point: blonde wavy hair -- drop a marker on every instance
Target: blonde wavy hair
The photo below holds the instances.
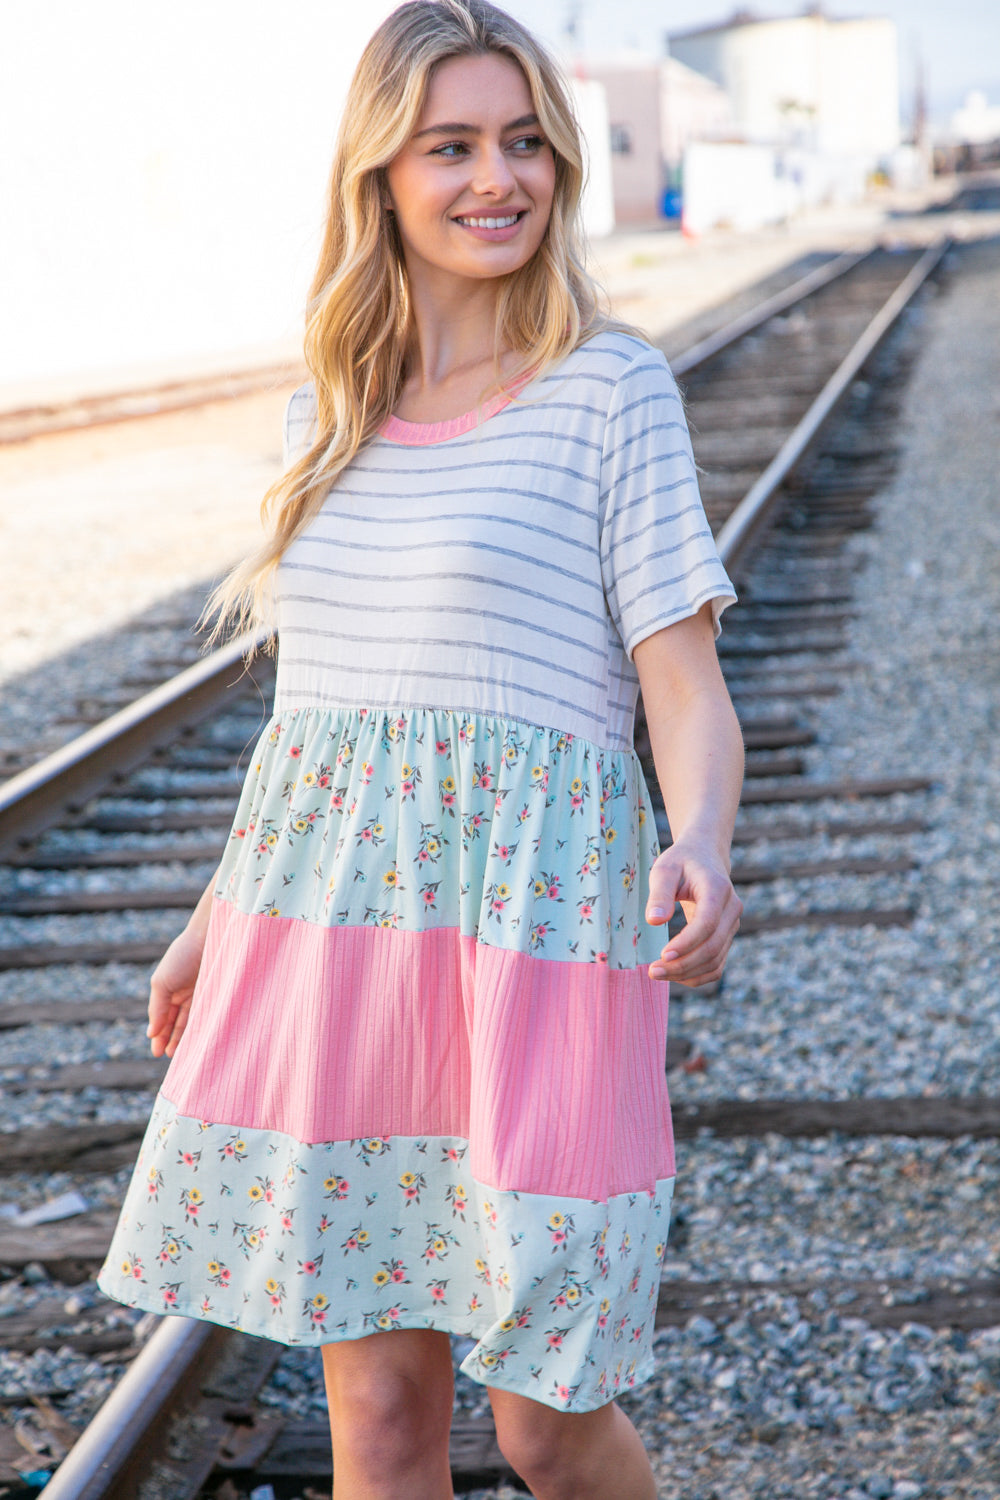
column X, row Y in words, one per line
column 357, row 317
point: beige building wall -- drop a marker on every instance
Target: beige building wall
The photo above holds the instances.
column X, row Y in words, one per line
column 655, row 108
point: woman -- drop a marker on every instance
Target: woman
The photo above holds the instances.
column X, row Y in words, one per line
column 420, row 1087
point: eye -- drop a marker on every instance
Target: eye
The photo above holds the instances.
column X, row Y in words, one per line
column 451, row 150
column 528, row 145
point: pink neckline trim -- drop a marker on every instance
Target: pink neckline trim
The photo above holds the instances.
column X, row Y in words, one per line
column 417, row 434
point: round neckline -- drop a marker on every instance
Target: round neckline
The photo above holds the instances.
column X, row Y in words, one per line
column 418, row 434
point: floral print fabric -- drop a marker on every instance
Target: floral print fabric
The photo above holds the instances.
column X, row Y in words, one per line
column 525, row 838
column 306, row 1244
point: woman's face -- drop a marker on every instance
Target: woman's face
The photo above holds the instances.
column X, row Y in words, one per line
column 472, row 188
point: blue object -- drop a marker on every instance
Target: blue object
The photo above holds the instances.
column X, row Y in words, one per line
column 673, row 202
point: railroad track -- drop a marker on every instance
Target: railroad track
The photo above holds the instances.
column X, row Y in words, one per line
column 109, row 839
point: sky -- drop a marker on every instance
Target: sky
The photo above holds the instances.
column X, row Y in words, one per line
column 958, row 40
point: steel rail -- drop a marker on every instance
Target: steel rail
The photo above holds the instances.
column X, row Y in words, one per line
column 754, row 509
column 754, row 317
column 100, row 1462
column 65, row 779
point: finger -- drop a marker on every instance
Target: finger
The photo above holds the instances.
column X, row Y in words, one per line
column 664, row 883
column 687, row 956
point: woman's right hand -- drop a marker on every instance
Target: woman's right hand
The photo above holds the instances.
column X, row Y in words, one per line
column 170, row 991
column 172, row 984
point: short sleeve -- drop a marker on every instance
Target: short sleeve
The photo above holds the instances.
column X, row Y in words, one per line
column 658, row 557
column 300, row 423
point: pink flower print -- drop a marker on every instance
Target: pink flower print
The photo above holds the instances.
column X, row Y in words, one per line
column 358, row 1239
column 599, row 958
column 239, row 833
column 498, row 804
column 286, row 1221
column 474, row 1304
column 316, row 1308
column 537, row 933
column 429, row 892
column 442, row 747
column 310, row 1267
column 562, row 1391
column 586, row 910
column 295, row 752
column 505, row 852
column 482, row 776
column 170, row 1295
column 437, row 1290
column 367, row 771
column 399, row 1274
column 559, row 1300
column 189, row 1159
column 497, row 896
column 412, row 1184
column 554, row 1337
column 191, row 1201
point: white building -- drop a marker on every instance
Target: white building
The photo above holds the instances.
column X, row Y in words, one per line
column 810, row 81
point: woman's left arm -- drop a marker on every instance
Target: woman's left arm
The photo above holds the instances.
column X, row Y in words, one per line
column 698, row 755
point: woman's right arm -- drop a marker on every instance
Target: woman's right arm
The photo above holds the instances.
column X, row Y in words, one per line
column 173, row 981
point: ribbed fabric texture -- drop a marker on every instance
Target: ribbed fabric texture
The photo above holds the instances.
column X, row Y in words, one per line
column 552, row 1071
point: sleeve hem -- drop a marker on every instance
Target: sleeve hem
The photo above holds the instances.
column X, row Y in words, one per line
column 721, row 600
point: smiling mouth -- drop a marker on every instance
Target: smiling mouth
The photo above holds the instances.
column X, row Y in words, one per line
column 493, row 222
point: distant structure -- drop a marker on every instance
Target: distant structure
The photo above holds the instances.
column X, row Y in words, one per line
column 655, row 108
column 812, row 81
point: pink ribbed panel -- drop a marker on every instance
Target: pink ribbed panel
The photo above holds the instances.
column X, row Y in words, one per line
column 554, row 1072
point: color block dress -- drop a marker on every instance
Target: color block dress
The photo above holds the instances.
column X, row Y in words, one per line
column 422, row 1084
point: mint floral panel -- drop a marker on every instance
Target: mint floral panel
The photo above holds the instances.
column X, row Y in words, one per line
column 307, row 1244
column 523, row 837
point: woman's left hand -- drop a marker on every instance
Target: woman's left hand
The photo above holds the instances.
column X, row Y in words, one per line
column 697, row 877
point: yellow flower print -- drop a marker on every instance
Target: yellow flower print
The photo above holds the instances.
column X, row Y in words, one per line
column 642, row 816
column 375, row 1147
column 488, row 1360
column 480, row 1264
column 539, row 887
column 610, row 834
column 381, row 1277
column 256, row 1192
column 432, row 846
column 389, row 878
column 557, row 1221
column 503, row 891
column 309, row 779
column 194, row 1195
column 362, row 1236
column 253, row 1239
column 126, row 1267
column 172, row 1247
column 576, row 785
column 239, row 1145
column 384, row 1321
column 508, row 1324
column 319, row 1302
column 213, row 1268
column 406, row 770
column 448, row 784
column 270, row 1285
column 271, row 840
column 407, row 1179
column 300, row 825
column 537, row 772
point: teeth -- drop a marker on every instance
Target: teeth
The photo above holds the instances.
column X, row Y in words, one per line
column 490, row 223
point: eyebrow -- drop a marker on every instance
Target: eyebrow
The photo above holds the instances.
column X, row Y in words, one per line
column 456, row 128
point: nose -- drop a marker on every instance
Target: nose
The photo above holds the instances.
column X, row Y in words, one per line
column 493, row 175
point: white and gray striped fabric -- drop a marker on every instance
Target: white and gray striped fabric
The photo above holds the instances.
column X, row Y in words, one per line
column 510, row 569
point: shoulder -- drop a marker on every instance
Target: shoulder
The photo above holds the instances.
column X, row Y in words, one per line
column 300, row 421
column 626, row 366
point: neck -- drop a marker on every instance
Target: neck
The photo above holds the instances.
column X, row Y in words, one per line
column 452, row 329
